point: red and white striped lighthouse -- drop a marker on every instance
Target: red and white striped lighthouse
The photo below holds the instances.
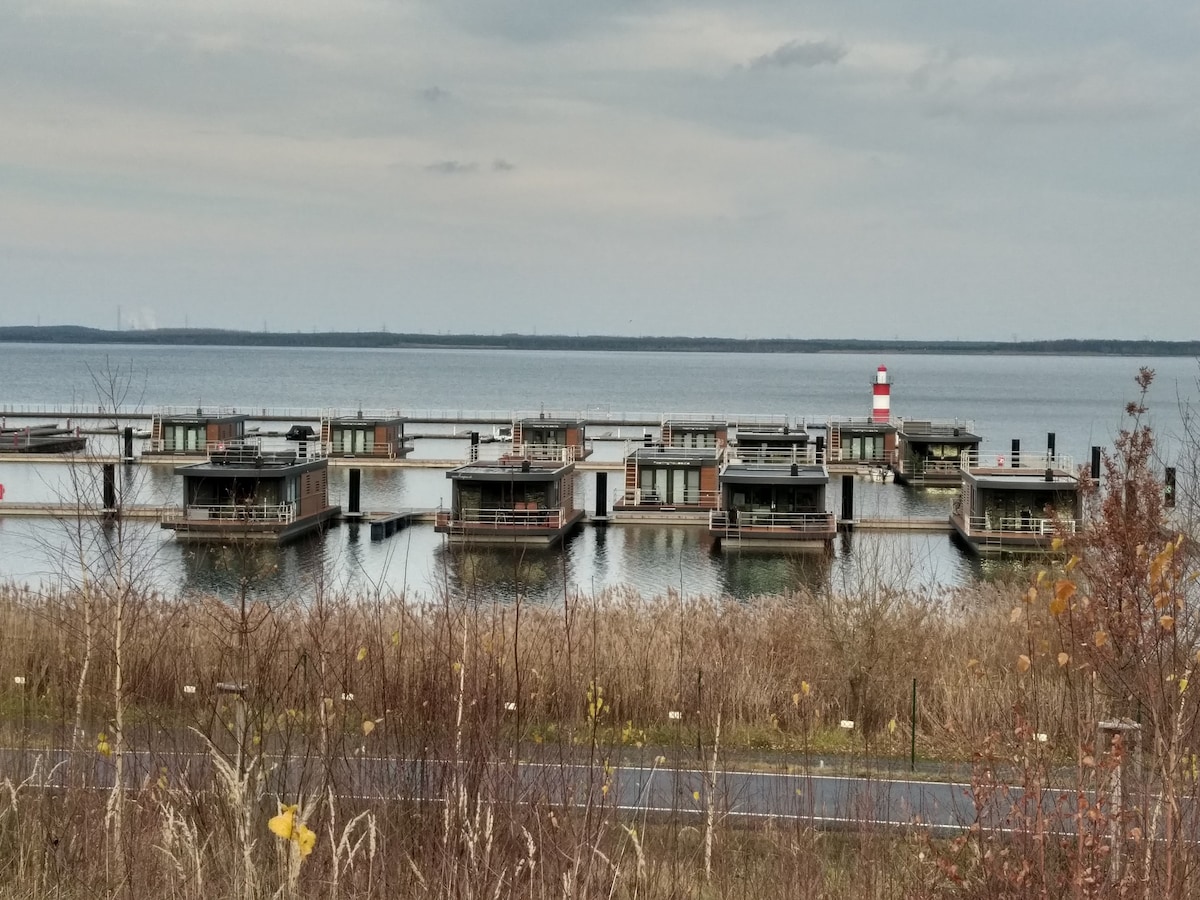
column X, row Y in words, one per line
column 881, row 408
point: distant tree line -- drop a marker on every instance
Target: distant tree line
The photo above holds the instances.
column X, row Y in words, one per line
column 74, row 334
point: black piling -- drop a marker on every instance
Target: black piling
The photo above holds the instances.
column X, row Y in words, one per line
column 128, row 455
column 353, row 506
column 1016, row 453
column 474, row 446
column 1095, row 463
column 820, row 449
column 110, row 487
column 1169, row 487
column 1050, row 448
column 847, row 522
column 601, row 496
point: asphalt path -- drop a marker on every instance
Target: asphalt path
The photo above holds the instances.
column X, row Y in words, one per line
column 822, row 800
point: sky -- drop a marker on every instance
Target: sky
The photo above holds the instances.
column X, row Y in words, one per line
column 828, row 169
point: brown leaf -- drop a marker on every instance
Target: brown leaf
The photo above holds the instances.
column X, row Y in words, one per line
column 1064, row 658
column 1101, row 638
column 1023, row 663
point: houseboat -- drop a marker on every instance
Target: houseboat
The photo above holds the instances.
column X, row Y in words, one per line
column 510, row 501
column 1015, row 509
column 364, row 437
column 42, row 439
column 545, row 438
column 861, row 441
column 771, row 441
column 176, row 432
column 676, row 478
column 246, row 492
column 930, row 454
column 773, row 505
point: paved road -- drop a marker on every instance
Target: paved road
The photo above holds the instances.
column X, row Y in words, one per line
column 824, row 800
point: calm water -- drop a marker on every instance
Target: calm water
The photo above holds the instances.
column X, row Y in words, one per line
column 1078, row 398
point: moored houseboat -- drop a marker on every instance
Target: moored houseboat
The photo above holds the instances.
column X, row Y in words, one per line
column 771, row 441
column 358, row 436
column 510, row 501
column 861, row 441
column 773, row 505
column 1005, row 508
column 930, row 454
column 246, row 492
column 676, row 478
column 42, row 439
column 188, row 432
column 544, row 437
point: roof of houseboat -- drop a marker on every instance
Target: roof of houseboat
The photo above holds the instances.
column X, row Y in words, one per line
column 1022, row 479
column 366, row 420
column 271, row 464
column 939, row 432
column 741, row 473
column 202, row 418
column 675, row 455
column 514, row 470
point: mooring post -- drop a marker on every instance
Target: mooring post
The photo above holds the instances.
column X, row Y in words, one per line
column 847, row 523
column 1016, row 453
column 129, row 457
column 355, row 491
column 474, row 454
column 601, row 496
column 110, row 487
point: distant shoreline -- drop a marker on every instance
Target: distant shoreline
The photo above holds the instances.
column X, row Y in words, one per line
column 383, row 340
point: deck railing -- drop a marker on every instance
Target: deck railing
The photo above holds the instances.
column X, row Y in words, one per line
column 564, row 453
column 1029, row 525
column 637, row 497
column 755, row 456
column 277, row 513
column 811, row 522
column 502, row 518
column 1058, row 462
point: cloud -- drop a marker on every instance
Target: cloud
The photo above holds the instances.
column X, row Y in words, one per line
column 451, row 167
column 808, row 54
column 502, row 165
column 435, row 94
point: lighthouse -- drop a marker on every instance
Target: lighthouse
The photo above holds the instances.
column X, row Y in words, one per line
column 881, row 407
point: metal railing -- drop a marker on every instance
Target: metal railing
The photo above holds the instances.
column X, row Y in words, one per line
column 930, row 428
column 514, row 518
column 813, row 522
column 1059, row 462
column 565, row 453
column 1029, row 525
column 277, row 513
column 765, row 456
column 638, row 497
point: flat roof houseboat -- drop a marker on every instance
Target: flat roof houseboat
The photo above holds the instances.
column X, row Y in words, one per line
column 771, row 441
column 42, row 439
column 861, row 441
column 246, row 492
column 930, row 454
column 1006, row 508
column 510, row 501
column 773, row 505
column 543, row 438
column 178, row 432
column 675, row 479
column 367, row 437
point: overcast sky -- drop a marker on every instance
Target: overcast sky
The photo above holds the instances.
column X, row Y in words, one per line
column 876, row 168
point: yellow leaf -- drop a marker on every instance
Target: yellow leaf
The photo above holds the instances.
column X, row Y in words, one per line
column 457, row 667
column 1056, row 544
column 362, row 654
column 282, row 824
column 103, row 747
column 305, row 839
column 367, row 727
column 1167, row 622
column 1071, row 564
column 805, row 688
column 1183, row 683
column 796, row 699
column 395, row 638
column 1063, row 658
column 1058, row 605
column 892, row 726
column 1064, row 589
column 1101, row 638
column 1023, row 663
column 695, row 795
